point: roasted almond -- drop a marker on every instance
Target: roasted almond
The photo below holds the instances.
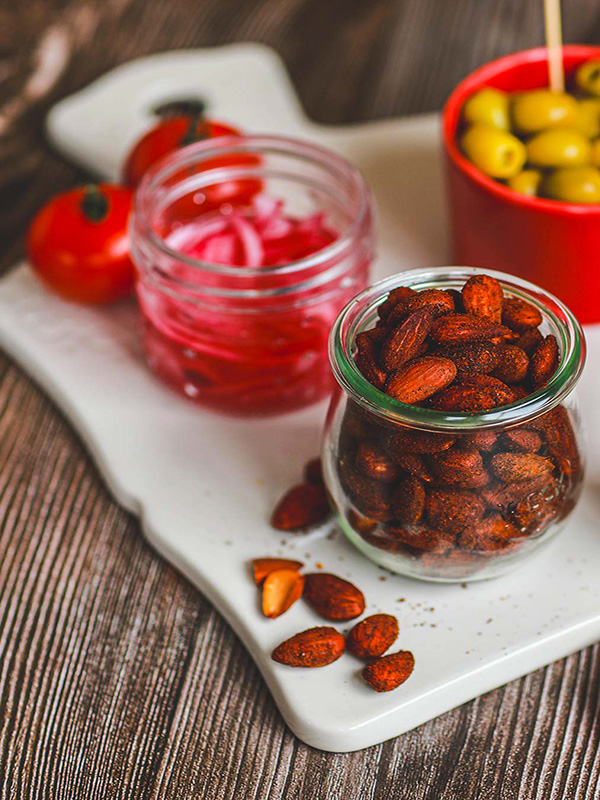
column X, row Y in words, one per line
column 544, row 362
column 408, row 500
column 437, row 299
column 512, row 366
column 374, row 463
column 505, row 496
column 405, row 440
column 484, row 441
column 473, row 393
column 481, row 357
column 395, row 297
column 372, row 498
column 519, row 315
column 313, row 472
column 316, row 647
column 421, row 539
column 333, row 597
column 420, row 378
column 301, row 507
column 453, row 510
column 529, row 340
column 261, row 567
column 456, row 329
column 389, row 672
column 511, row 467
column 367, row 356
column 372, row 636
column 405, row 341
column 281, row 589
column 491, row 533
column 537, row 510
column 555, row 426
column 414, row 464
column 482, row 296
column 460, row 467
column 520, row 440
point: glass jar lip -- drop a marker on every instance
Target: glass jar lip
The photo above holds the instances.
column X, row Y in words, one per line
column 348, row 376
column 251, row 143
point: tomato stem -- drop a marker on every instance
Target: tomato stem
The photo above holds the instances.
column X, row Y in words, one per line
column 94, row 203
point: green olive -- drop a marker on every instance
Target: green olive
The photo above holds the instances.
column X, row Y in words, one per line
column 574, row 185
column 588, row 117
column 526, row 182
column 487, row 107
column 542, row 108
column 559, row 147
column 497, row 153
column 587, row 77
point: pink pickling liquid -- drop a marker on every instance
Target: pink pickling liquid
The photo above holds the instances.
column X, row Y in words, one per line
column 271, row 359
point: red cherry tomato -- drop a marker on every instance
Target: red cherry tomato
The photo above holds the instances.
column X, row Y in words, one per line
column 189, row 125
column 78, row 244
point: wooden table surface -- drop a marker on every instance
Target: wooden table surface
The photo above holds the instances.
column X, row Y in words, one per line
column 117, row 678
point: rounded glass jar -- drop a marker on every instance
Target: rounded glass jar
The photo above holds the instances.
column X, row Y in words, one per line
column 247, row 340
column 382, row 457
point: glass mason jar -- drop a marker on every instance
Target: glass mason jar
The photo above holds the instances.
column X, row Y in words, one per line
column 247, row 340
column 390, row 469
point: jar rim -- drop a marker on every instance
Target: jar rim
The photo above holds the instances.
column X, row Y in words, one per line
column 351, row 321
column 250, row 144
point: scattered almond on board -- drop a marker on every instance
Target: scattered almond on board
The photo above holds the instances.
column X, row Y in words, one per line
column 336, row 599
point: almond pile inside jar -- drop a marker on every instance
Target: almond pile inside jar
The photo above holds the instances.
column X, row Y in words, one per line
column 452, row 502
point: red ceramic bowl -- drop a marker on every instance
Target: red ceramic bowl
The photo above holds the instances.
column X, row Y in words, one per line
column 555, row 245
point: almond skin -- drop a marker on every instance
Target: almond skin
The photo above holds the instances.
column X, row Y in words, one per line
column 315, row 647
column 405, row 341
column 544, row 362
column 519, row 315
column 511, row 467
column 261, row 567
column 301, row 507
column 419, row 379
column 389, row 672
column 281, row 589
column 333, row 597
column 372, row 636
column 456, row 329
column 482, row 296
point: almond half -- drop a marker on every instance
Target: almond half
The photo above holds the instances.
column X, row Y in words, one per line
column 281, row 589
column 261, row 567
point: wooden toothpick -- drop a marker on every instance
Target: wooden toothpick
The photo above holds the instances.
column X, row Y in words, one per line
column 554, row 45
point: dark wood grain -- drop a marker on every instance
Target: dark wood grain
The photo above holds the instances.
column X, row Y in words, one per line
column 117, row 679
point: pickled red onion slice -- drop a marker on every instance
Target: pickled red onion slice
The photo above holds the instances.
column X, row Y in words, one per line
column 261, row 235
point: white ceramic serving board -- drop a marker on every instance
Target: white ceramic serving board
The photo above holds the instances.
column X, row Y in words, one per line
column 203, row 486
